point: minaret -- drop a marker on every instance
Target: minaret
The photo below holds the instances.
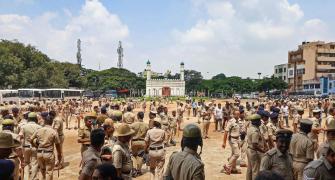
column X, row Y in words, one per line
column 148, row 69
column 182, row 77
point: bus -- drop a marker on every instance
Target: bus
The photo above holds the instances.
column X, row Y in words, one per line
column 30, row 93
column 8, row 95
column 62, row 93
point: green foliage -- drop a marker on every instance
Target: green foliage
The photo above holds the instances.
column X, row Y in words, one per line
column 219, row 76
column 114, row 78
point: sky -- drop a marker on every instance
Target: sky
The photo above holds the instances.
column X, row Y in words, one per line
column 234, row 37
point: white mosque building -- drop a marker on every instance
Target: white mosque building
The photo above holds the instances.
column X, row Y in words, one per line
column 165, row 87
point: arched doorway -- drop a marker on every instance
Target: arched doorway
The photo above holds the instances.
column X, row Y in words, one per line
column 166, row 91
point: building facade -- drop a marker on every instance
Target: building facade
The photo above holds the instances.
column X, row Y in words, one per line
column 310, row 62
column 280, row 71
column 164, row 87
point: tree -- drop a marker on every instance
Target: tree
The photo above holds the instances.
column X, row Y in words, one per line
column 220, row 76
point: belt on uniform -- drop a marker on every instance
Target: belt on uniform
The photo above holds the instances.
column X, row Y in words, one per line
column 234, row 137
column 61, row 135
column 137, row 140
column 156, row 148
column 300, row 161
column 44, row 151
column 26, row 146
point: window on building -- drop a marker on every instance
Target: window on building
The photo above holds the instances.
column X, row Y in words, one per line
column 276, row 71
column 284, row 78
column 284, row 69
column 306, row 87
column 317, row 86
column 291, row 73
column 332, row 46
column 330, row 85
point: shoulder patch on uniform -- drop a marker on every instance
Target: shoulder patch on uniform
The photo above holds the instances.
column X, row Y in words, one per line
column 271, row 152
column 314, row 164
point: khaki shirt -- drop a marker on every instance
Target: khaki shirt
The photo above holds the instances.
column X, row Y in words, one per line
column 58, row 125
column 155, row 137
column 329, row 119
column 91, row 159
column 296, row 120
column 319, row 169
column 323, row 149
column 27, row 131
column 276, row 161
column 46, row 137
column 121, row 157
column 254, row 136
column 301, row 148
column 140, row 129
column 129, row 117
column 185, row 165
column 264, row 131
column 271, row 130
column 233, row 128
column 313, row 135
column 84, row 132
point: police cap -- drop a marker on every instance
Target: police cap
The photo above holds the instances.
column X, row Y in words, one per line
column 284, row 133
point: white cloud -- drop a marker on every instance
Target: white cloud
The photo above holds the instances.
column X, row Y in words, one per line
column 98, row 29
column 242, row 37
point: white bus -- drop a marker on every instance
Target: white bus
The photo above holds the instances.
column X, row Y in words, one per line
column 30, row 93
column 62, row 93
column 8, row 95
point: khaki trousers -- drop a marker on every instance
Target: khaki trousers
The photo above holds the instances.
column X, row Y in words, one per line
column 234, row 153
column 156, row 163
column 205, row 127
column 243, row 146
column 298, row 169
column 254, row 163
column 46, row 162
column 30, row 163
column 61, row 139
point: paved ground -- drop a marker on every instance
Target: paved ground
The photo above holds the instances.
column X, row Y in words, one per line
column 213, row 155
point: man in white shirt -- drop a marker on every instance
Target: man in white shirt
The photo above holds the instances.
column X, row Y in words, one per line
column 285, row 111
column 218, row 115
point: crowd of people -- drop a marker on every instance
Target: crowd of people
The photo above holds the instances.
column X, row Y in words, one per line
column 116, row 142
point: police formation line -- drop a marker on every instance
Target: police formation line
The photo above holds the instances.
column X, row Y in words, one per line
column 112, row 135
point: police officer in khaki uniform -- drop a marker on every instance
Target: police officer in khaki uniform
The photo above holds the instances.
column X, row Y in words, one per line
column 322, row 168
column 232, row 132
column 301, row 148
column 44, row 139
column 187, row 165
column 206, row 118
column 330, row 133
column 255, row 146
column 84, row 133
column 29, row 152
column 58, row 126
column 297, row 118
column 138, row 143
column 278, row 159
column 121, row 152
column 91, row 157
column 129, row 117
column 316, row 128
column 154, row 139
column 16, row 156
column 243, row 143
column 7, row 144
